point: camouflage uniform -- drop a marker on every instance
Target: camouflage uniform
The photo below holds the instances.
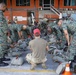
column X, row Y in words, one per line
column 55, row 29
column 71, row 28
column 26, row 32
column 14, row 30
column 9, row 41
column 59, row 34
column 43, row 27
column 11, row 29
column 62, row 38
column 3, row 37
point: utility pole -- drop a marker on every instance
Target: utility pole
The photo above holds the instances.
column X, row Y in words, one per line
column 11, row 14
column 35, row 8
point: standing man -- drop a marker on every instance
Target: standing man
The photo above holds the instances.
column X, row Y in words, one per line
column 38, row 46
column 3, row 37
column 70, row 35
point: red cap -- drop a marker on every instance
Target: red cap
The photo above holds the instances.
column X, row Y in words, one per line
column 36, row 31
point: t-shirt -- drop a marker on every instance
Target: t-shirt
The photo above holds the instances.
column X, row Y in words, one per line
column 38, row 47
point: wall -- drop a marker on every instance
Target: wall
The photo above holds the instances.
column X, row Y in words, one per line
column 62, row 5
column 21, row 11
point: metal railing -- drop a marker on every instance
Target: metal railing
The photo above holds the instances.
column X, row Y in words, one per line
column 52, row 8
column 55, row 10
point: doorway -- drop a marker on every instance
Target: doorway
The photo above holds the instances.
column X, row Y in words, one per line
column 46, row 4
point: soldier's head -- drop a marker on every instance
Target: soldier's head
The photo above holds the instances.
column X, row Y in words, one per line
column 2, row 7
column 59, row 22
column 68, row 14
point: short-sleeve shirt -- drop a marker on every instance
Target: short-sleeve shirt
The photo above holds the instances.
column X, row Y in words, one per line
column 71, row 27
column 38, row 47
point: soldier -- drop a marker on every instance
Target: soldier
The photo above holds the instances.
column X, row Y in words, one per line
column 3, row 37
column 9, row 40
column 58, row 33
column 15, row 32
column 43, row 26
column 61, row 36
column 69, row 30
column 69, row 17
column 38, row 46
column 25, row 31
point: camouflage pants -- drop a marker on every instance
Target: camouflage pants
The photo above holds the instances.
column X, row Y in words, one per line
column 61, row 45
column 72, row 48
column 3, row 47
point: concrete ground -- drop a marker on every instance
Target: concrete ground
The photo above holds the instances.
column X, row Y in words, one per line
column 25, row 68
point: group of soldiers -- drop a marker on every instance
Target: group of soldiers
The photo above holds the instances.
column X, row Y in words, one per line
column 10, row 33
column 65, row 31
column 60, row 35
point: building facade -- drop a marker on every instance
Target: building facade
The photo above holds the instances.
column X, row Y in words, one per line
column 24, row 10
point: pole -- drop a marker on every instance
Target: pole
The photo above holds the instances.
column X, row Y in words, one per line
column 11, row 14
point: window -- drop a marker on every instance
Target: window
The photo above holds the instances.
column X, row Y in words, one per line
column 5, row 1
column 69, row 2
column 41, row 2
column 22, row 2
column 52, row 2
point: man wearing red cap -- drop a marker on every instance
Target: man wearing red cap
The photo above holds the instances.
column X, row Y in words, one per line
column 38, row 47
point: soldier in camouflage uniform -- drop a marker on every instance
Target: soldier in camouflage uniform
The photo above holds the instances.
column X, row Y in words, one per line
column 59, row 35
column 3, row 37
column 25, row 31
column 19, row 31
column 9, row 37
column 43, row 26
column 15, row 32
column 69, row 18
column 69, row 29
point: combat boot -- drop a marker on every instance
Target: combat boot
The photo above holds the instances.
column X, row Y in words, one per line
column 2, row 64
column 5, row 59
column 44, row 66
column 33, row 66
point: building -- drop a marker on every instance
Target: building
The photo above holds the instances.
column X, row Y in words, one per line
column 25, row 10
